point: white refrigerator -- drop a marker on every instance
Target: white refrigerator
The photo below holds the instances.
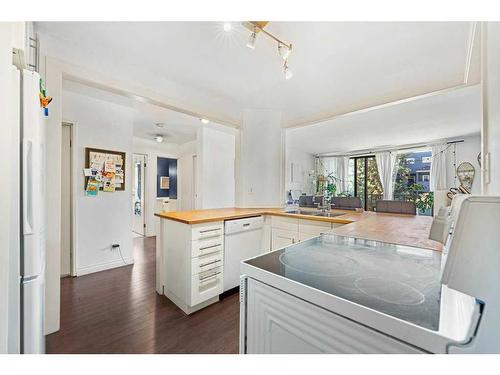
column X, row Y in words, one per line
column 27, row 258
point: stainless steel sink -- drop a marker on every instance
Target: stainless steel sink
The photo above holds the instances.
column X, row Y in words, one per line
column 315, row 213
column 329, row 214
column 301, row 212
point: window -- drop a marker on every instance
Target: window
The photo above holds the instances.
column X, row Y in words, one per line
column 426, row 159
column 366, row 181
column 413, row 177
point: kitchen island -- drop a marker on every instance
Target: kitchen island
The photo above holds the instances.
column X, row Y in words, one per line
column 190, row 244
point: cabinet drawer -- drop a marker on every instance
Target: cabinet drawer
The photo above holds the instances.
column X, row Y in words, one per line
column 208, row 246
column 206, row 285
column 207, row 262
column 285, row 223
column 202, row 231
column 315, row 228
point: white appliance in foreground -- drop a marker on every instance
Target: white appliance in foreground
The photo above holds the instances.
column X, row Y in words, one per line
column 26, row 295
column 242, row 240
column 335, row 294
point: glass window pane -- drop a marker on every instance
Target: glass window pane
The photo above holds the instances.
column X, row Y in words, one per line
column 374, row 188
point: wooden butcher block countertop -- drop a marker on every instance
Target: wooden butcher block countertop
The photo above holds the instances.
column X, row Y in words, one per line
column 408, row 230
column 220, row 214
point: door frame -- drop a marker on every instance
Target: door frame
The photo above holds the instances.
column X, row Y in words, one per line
column 144, row 192
column 73, row 198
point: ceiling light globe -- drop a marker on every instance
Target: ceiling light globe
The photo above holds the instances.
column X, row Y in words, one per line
column 227, row 26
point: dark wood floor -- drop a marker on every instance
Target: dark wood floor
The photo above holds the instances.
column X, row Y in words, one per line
column 118, row 311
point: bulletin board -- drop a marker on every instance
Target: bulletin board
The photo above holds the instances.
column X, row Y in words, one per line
column 107, row 169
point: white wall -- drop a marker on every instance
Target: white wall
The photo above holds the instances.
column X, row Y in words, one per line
column 215, row 166
column 185, row 176
column 106, row 218
column 491, row 107
column 465, row 151
column 302, row 164
column 260, row 160
column 153, row 150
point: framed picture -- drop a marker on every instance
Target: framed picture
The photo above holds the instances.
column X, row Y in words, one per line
column 164, row 182
column 107, row 169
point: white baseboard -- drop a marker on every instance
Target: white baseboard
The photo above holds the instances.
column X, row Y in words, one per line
column 103, row 266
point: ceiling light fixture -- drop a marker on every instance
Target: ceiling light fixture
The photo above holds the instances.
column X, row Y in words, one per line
column 204, row 121
column 251, row 40
column 159, row 138
column 160, row 125
column 227, row 26
column 284, row 49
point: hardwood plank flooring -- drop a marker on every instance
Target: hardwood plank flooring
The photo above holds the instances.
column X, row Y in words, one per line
column 119, row 311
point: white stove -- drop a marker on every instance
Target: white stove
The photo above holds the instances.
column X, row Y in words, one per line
column 399, row 298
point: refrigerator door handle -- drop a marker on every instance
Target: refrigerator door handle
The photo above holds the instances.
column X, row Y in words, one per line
column 28, row 186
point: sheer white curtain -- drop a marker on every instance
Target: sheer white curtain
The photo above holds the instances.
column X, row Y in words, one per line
column 339, row 168
column 386, row 162
column 438, row 168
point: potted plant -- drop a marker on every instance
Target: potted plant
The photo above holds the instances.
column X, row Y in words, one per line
column 424, row 203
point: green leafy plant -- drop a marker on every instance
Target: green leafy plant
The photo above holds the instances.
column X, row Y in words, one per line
column 425, row 201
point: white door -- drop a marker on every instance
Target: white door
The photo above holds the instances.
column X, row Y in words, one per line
column 66, row 200
column 138, row 194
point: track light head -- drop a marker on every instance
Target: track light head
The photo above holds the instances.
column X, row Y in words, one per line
column 284, row 51
column 287, row 71
column 159, row 138
column 251, row 40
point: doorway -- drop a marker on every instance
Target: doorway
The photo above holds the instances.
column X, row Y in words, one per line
column 366, row 181
column 138, row 195
column 67, row 200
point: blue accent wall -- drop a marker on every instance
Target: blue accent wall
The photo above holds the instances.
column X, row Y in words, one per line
column 166, row 167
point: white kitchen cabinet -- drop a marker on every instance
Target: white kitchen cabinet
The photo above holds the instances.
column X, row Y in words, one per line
column 190, row 263
column 286, row 223
column 278, row 323
column 282, row 238
column 287, row 231
column 266, row 234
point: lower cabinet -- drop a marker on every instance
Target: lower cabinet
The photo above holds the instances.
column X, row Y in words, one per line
column 277, row 322
column 282, row 238
column 287, row 231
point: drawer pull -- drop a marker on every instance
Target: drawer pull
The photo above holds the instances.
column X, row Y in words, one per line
column 209, row 247
column 209, row 230
column 209, row 263
column 209, row 276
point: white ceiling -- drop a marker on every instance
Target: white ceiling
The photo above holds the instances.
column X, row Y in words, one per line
column 450, row 115
column 178, row 128
column 338, row 67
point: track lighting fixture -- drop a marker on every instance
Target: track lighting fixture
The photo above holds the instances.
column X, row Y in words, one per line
column 284, row 49
column 251, row 40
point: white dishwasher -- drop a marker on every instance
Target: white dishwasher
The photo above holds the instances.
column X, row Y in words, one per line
column 242, row 240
